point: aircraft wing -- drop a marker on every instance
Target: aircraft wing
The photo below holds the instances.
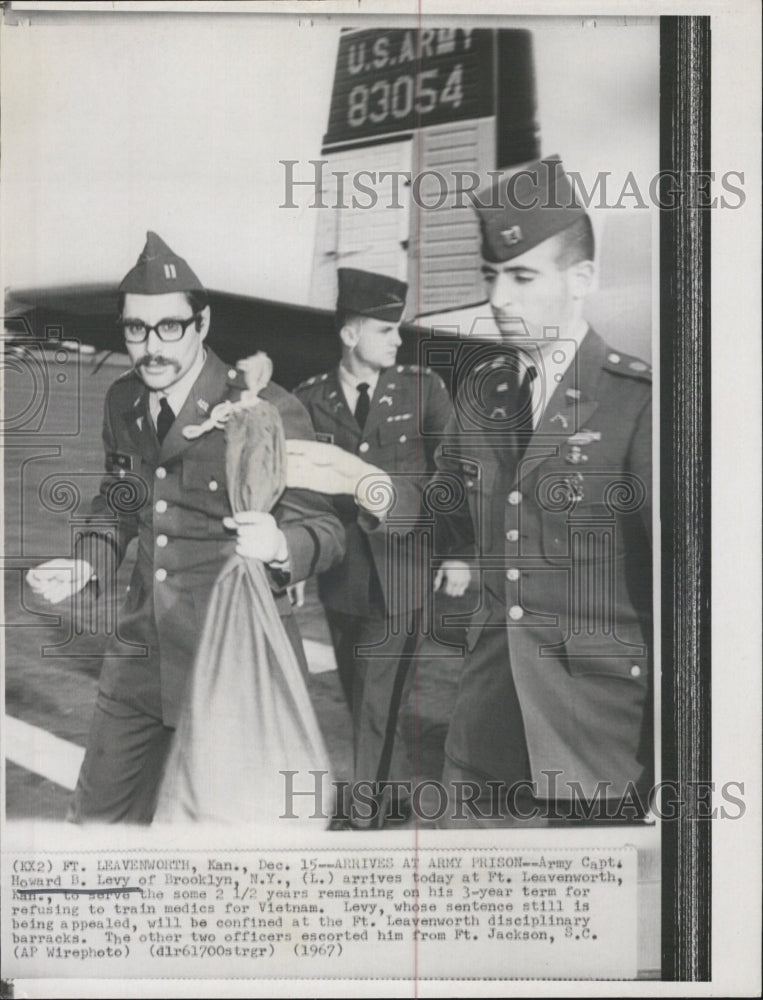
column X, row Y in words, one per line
column 299, row 339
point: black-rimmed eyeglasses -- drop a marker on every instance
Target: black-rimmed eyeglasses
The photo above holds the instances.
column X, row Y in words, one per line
column 167, row 330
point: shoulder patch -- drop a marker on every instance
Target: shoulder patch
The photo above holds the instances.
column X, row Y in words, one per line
column 626, row 364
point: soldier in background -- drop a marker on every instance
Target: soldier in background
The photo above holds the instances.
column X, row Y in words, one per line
column 552, row 442
column 391, row 416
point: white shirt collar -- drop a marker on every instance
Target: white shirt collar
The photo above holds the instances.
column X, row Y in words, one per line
column 177, row 394
column 350, row 383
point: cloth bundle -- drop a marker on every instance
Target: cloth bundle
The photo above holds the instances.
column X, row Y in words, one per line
column 248, row 714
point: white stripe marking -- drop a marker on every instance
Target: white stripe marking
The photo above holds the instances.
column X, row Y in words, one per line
column 320, row 656
column 42, row 753
column 59, row 761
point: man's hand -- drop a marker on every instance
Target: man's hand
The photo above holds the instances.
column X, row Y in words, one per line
column 454, row 576
column 326, row 468
column 296, row 592
column 259, row 537
column 58, row 579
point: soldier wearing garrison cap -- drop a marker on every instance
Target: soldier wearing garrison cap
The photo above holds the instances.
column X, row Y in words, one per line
column 552, row 441
column 392, row 416
column 170, row 494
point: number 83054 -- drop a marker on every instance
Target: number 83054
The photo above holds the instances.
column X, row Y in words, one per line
column 402, row 96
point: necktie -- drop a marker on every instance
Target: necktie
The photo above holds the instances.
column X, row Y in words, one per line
column 165, row 419
column 363, row 404
column 521, row 412
column 523, row 409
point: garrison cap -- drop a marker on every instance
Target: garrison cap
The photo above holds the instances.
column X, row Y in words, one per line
column 370, row 294
column 159, row 270
column 524, row 207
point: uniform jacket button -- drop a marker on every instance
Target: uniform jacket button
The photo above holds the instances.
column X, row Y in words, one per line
column 512, row 574
column 160, row 506
column 161, row 541
column 635, row 670
column 161, row 472
column 514, row 498
column 403, row 438
column 515, row 613
column 161, row 575
column 512, row 535
column 363, row 447
column 213, row 485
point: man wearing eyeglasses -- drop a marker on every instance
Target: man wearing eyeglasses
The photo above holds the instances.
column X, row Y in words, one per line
column 170, row 493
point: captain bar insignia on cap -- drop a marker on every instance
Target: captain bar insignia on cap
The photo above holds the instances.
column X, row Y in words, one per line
column 524, row 207
column 512, row 236
column 159, row 270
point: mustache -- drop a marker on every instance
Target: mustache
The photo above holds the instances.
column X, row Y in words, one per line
column 157, row 359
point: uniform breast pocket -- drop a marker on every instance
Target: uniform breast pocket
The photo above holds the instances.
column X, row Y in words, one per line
column 400, row 447
column 579, row 514
column 589, row 534
column 206, row 476
column 203, row 489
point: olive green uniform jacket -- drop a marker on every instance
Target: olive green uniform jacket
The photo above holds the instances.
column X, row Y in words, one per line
column 409, row 410
column 561, row 544
column 172, row 499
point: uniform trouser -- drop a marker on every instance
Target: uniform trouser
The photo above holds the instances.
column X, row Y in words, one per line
column 478, row 724
column 123, row 766
column 376, row 665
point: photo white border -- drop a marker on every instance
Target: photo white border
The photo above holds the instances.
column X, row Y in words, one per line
column 735, row 503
